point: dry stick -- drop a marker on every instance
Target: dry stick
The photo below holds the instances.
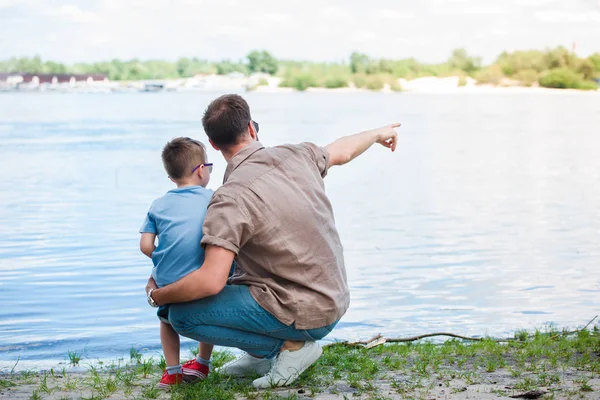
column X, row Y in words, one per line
column 575, row 331
column 378, row 339
column 414, row 338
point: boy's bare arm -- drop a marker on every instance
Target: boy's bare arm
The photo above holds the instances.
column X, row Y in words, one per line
column 147, row 245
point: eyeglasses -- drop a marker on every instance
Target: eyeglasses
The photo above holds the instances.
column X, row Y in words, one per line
column 209, row 165
column 255, row 125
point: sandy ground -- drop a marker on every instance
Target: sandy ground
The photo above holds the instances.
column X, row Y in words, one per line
column 495, row 385
column 426, row 85
column 256, row 82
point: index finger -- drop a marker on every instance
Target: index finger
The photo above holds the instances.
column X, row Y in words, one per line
column 396, row 125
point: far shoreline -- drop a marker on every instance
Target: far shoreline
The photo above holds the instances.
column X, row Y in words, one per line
column 262, row 83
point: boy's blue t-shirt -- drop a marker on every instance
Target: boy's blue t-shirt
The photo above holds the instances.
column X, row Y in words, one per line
column 177, row 218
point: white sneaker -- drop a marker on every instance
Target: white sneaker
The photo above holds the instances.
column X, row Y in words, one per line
column 289, row 365
column 246, row 365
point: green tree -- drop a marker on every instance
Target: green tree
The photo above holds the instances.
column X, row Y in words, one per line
column 461, row 60
column 492, row 74
column 513, row 63
column 586, row 68
column 184, row 67
column 226, row 67
column 262, row 61
column 595, row 60
column 559, row 58
column 527, row 77
column 300, row 80
column 359, row 63
column 51, row 67
column 561, row 78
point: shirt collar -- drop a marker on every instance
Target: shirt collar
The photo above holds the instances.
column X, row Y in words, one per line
column 241, row 156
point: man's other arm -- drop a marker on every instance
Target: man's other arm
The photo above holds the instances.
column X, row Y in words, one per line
column 347, row 148
column 209, row 280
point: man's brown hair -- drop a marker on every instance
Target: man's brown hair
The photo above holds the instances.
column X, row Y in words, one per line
column 181, row 155
column 226, row 120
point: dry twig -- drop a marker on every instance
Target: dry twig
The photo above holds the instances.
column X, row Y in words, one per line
column 575, row 331
column 379, row 340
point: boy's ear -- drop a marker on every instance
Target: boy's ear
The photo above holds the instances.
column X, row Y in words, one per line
column 200, row 172
column 172, row 180
column 214, row 146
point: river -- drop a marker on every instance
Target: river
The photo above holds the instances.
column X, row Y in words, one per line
column 484, row 221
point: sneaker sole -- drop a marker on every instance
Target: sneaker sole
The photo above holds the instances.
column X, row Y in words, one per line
column 243, row 374
column 193, row 378
column 193, row 372
column 164, row 386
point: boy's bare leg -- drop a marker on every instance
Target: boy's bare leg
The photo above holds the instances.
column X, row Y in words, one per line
column 205, row 350
column 170, row 344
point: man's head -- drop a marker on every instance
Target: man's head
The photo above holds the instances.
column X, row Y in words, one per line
column 185, row 161
column 228, row 123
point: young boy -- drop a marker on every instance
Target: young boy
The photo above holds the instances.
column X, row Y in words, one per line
column 177, row 218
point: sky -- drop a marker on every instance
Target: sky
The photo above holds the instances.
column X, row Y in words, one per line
column 319, row 30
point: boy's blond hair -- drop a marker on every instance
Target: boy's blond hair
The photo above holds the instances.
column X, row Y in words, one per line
column 181, row 155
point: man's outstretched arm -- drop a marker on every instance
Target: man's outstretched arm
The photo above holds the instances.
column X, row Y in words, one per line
column 206, row 281
column 348, row 148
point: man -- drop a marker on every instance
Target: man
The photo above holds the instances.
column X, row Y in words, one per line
column 272, row 215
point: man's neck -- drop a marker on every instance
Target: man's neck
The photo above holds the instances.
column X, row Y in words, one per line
column 233, row 150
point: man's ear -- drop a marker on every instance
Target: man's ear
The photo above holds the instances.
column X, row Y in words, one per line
column 172, row 180
column 214, row 146
column 251, row 130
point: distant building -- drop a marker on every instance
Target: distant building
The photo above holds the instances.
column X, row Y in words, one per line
column 27, row 79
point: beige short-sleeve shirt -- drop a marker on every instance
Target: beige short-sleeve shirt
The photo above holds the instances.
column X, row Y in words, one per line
column 272, row 211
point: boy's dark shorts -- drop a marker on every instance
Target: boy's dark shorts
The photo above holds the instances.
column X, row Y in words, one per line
column 163, row 313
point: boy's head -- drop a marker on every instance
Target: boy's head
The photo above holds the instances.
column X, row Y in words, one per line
column 184, row 159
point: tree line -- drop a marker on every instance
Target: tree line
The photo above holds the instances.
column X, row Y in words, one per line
column 557, row 68
column 117, row 70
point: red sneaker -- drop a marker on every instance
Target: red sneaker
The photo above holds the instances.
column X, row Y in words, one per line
column 168, row 381
column 193, row 371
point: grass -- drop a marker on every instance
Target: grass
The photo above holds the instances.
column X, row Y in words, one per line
column 135, row 355
column 566, row 366
column 74, row 357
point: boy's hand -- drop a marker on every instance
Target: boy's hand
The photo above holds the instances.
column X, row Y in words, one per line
column 151, row 284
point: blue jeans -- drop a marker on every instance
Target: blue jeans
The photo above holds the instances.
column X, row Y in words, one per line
column 233, row 318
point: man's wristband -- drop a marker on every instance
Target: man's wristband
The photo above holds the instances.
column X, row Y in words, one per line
column 150, row 299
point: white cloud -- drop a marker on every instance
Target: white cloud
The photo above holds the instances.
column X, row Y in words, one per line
column 532, row 3
column 392, row 14
column 73, row 13
column 337, row 12
column 276, row 17
column 320, row 29
column 362, row 37
column 567, row 17
column 473, row 9
column 8, row 3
